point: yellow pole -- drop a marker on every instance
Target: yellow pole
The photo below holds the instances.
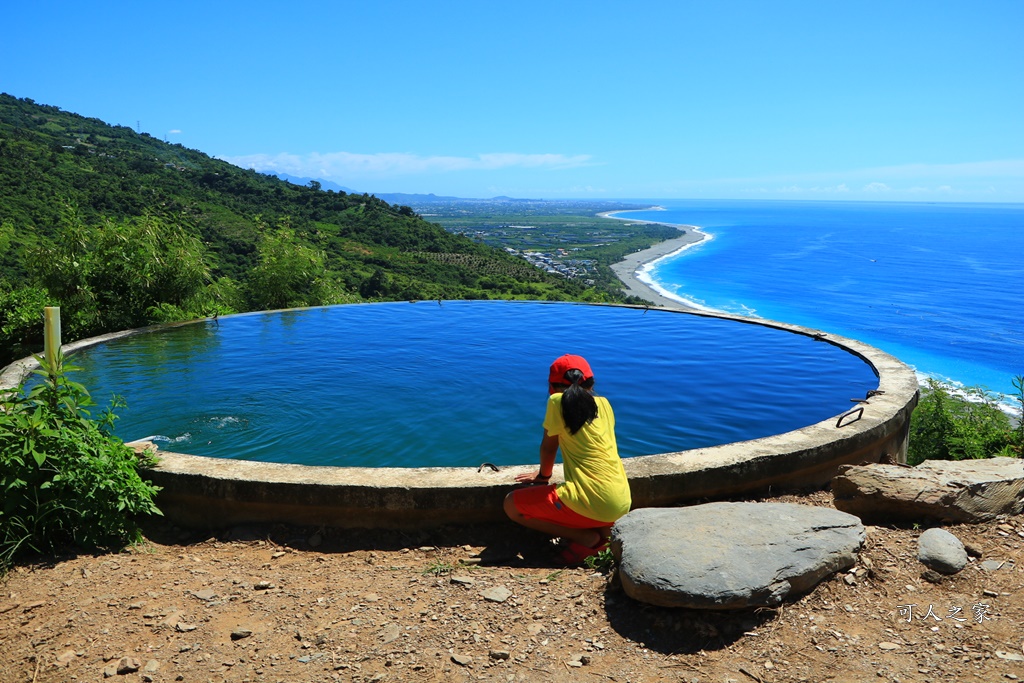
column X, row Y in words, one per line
column 51, row 335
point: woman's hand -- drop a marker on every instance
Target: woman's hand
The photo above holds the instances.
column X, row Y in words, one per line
column 534, row 478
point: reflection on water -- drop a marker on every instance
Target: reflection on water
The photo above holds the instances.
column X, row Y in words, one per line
column 459, row 384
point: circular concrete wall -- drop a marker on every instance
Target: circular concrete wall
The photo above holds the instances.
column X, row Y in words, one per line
column 215, row 493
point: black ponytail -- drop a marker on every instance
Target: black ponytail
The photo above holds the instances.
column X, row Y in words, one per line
column 578, row 404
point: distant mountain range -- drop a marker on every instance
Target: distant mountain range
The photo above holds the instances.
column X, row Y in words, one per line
column 394, row 197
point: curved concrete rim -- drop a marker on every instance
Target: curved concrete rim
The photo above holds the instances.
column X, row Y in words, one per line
column 215, row 493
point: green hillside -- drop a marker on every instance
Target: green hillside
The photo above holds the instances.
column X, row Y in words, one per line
column 122, row 229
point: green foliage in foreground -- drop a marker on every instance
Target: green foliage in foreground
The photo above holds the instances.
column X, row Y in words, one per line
column 64, row 478
column 603, row 561
column 948, row 427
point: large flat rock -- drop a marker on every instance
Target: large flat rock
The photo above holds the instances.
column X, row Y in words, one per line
column 731, row 555
column 952, row 491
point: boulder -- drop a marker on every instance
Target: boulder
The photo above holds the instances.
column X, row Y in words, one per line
column 942, row 551
column 943, row 490
column 731, row 555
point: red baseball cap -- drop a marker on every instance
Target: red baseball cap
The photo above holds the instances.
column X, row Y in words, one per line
column 565, row 363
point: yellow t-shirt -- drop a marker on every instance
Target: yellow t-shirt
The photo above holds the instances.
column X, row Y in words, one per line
column 595, row 481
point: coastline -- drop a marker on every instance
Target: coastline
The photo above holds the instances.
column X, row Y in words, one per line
column 626, row 269
column 634, row 272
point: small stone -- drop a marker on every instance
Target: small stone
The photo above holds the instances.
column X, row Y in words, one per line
column 390, row 633
column 942, row 551
column 497, row 594
column 110, row 670
column 263, row 586
column 206, row 594
column 128, row 665
column 932, row 576
column 66, row 657
column 240, row 633
column 888, row 646
column 500, row 655
column 992, row 565
column 462, row 580
column 279, row 553
column 182, row 627
column 1009, row 656
column 462, row 660
column 371, row 597
column 152, row 666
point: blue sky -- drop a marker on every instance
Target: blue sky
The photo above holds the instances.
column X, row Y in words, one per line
column 920, row 101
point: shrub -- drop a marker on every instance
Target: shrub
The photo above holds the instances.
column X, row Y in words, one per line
column 1017, row 445
column 948, row 427
column 64, row 478
column 21, row 321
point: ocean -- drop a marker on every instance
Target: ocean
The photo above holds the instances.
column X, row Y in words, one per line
column 939, row 286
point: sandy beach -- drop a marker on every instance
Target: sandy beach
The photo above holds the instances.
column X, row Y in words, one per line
column 627, row 268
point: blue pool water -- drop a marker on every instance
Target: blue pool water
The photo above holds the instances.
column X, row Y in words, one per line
column 458, row 383
column 937, row 285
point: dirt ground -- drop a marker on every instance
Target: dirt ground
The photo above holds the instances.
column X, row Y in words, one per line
column 485, row 603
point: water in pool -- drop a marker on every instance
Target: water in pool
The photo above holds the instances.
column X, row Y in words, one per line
column 458, row 383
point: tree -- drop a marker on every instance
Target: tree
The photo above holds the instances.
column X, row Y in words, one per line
column 289, row 273
column 119, row 274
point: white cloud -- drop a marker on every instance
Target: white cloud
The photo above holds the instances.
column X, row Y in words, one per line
column 348, row 165
column 174, row 132
column 876, row 187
